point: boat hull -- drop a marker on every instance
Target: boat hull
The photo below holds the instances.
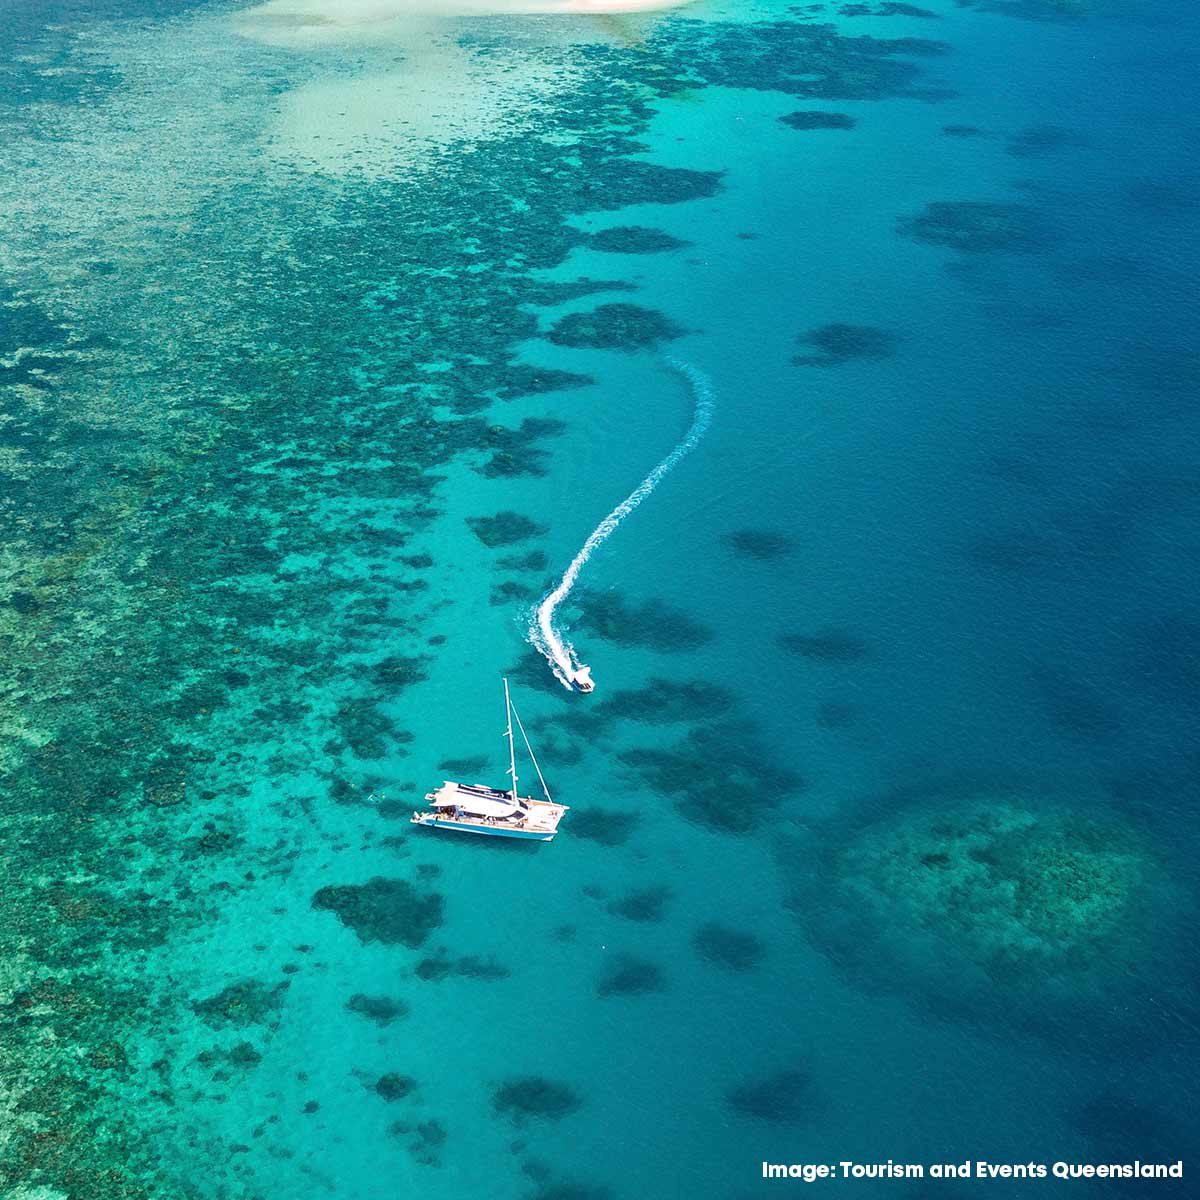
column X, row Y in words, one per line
column 527, row 835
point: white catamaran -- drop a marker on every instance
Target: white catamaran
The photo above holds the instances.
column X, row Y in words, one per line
column 474, row 808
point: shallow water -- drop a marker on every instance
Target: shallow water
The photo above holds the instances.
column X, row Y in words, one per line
column 883, row 806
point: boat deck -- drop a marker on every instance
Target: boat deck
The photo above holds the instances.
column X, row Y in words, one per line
column 542, row 820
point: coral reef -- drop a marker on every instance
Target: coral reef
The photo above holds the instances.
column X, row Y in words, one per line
column 784, row 1096
column 1025, row 907
column 732, row 948
column 974, row 226
column 764, row 545
column 839, row 343
column 615, row 326
column 643, row 904
column 433, row 970
column 531, row 1096
column 728, row 801
column 817, row 119
column 391, row 911
column 653, row 623
column 608, row 827
column 634, row 239
column 627, row 975
column 504, row 529
column 383, row 1010
column 394, row 1086
column 226, row 425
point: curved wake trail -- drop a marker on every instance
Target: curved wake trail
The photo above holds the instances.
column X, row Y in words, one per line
column 542, row 633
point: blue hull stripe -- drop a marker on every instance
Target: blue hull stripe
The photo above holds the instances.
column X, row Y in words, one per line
column 488, row 831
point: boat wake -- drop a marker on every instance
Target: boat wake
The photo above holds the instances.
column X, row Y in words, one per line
column 543, row 634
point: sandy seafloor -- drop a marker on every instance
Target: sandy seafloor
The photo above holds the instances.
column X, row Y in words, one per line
column 883, row 826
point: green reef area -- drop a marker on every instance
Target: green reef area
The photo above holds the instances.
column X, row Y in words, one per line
column 1038, row 911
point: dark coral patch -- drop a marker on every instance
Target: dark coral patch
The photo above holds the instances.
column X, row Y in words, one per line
column 629, row 181
column 629, row 976
column 664, row 702
column 760, row 544
column 394, row 1086
column 783, row 1097
column 732, row 948
column 391, row 911
column 435, row 969
column 974, row 226
column 728, row 799
column 1037, row 140
column 654, row 623
column 463, row 766
column 399, row 671
column 827, row 646
column 535, row 560
column 515, row 451
column 425, row 1139
column 608, row 827
column 840, row 343
column 634, row 239
column 240, row 1004
column 504, row 529
column 889, row 8
column 383, row 1010
column 815, row 118
column 526, row 380
column 510, row 591
column 644, row 904
column 615, row 327
column 532, row 1096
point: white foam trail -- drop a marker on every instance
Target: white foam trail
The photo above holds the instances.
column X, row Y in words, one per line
column 542, row 633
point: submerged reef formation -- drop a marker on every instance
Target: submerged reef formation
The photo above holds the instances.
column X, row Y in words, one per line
column 974, row 226
column 763, row 545
column 826, row 646
column 653, row 623
column 643, row 904
column 840, row 343
column 532, row 1097
column 784, row 1096
column 634, row 239
column 1036, row 140
column 735, row 949
column 615, row 327
column 1008, row 906
column 504, row 529
column 818, row 119
column 391, row 911
column 887, row 8
column 383, row 1010
column 627, row 975
column 726, row 802
column 605, row 826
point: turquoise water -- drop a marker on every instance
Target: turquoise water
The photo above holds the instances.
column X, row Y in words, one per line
column 883, row 812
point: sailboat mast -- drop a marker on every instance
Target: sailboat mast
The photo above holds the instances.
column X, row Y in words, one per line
column 512, row 749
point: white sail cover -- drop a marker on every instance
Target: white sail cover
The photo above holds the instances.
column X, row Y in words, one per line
column 451, row 795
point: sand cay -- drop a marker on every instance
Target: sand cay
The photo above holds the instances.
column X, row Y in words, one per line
column 418, row 90
column 311, row 22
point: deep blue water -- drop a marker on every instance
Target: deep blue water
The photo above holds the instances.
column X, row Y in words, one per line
column 883, row 812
